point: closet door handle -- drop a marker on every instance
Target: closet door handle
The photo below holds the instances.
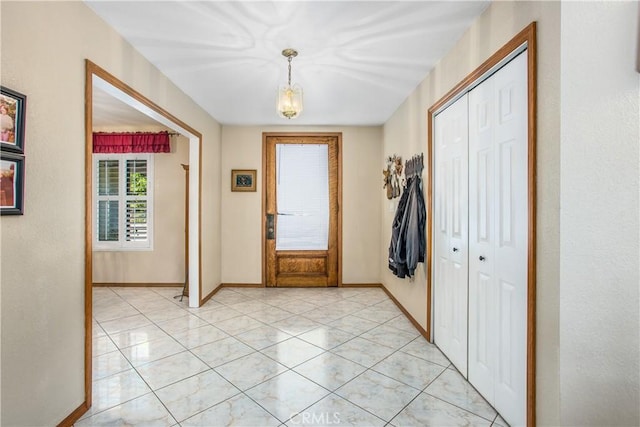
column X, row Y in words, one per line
column 481, row 258
column 455, row 249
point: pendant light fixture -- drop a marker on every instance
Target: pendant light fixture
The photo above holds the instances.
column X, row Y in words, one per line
column 289, row 97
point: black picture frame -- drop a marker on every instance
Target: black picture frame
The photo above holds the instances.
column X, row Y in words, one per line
column 11, row 184
column 12, row 120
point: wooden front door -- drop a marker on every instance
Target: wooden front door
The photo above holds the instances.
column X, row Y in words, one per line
column 301, row 224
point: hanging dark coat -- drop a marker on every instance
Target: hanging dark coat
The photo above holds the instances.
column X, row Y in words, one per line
column 408, row 241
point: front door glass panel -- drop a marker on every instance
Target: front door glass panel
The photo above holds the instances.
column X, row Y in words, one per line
column 302, row 196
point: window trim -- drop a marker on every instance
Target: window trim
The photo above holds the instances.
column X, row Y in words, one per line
column 122, row 245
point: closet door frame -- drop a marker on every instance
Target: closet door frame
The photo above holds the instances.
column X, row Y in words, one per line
column 526, row 39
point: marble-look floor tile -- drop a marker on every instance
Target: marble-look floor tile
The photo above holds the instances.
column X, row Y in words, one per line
column 165, row 314
column 148, row 306
column 102, row 344
column 451, row 387
column 271, row 315
column 292, row 352
column 252, row 292
column 117, row 311
column 137, row 336
column 427, row 411
column 229, row 298
column 425, row 350
column 181, row 324
column 298, row 307
column 378, row 394
column 238, row 325
column 263, row 336
column 196, row 337
column 124, row 323
column 345, row 305
column 351, row 346
column 250, row 370
column 403, row 324
column 334, row 411
column 286, row 394
column 351, row 292
column 142, row 411
column 324, row 315
column 330, row 370
column 409, row 369
column 276, row 300
column 152, row 350
column 377, row 315
column 370, row 298
column 326, row 337
column 354, row 325
column 386, row 304
column 223, row 351
column 171, row 369
column 97, row 330
column 391, row 337
column 239, row 411
column 116, row 389
column 195, row 394
column 499, row 422
column 363, row 351
column 109, row 364
column 218, row 314
column 247, row 307
column 296, row 325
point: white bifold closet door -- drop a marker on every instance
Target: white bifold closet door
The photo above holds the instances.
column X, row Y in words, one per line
column 481, row 237
column 451, row 237
column 498, row 239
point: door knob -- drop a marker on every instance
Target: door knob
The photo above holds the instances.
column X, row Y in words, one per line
column 455, row 249
column 481, row 258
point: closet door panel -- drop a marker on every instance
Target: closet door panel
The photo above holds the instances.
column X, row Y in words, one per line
column 482, row 239
column 510, row 92
column 451, row 239
column 498, row 223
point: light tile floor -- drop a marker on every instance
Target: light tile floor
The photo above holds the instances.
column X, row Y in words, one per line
column 270, row 357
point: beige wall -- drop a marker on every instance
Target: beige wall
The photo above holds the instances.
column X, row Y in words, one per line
column 165, row 263
column 600, row 186
column 405, row 134
column 44, row 45
column 362, row 185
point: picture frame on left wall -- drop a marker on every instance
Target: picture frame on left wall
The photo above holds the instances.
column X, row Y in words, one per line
column 11, row 184
column 12, row 118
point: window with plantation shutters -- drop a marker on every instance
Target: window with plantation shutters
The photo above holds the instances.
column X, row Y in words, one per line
column 123, row 203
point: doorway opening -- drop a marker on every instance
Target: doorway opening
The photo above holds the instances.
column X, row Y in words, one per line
column 98, row 78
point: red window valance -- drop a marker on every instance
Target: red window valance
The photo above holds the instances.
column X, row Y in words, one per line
column 131, row 142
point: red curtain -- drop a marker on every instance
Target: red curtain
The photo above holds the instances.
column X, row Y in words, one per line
column 131, row 142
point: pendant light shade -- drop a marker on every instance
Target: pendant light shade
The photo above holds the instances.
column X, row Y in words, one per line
column 289, row 104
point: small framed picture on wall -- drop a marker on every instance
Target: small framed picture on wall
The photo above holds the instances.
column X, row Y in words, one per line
column 11, row 184
column 243, row 180
column 12, row 115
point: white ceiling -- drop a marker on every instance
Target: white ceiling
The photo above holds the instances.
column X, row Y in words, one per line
column 358, row 60
column 110, row 112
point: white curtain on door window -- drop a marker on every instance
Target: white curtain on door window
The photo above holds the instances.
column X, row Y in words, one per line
column 302, row 196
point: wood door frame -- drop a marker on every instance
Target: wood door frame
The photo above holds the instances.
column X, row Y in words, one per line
column 266, row 135
column 526, row 37
column 91, row 70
